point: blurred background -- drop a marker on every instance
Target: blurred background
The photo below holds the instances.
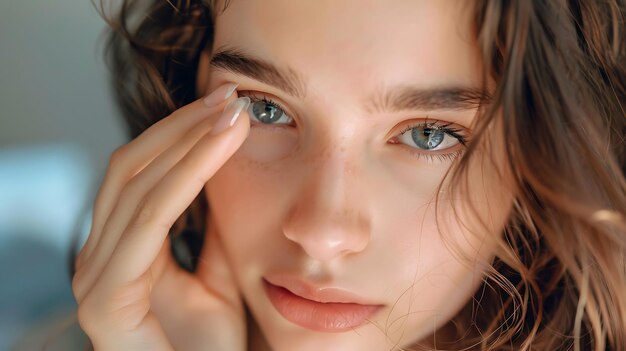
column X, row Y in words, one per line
column 58, row 127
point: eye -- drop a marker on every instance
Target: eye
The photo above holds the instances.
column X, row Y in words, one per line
column 431, row 139
column 265, row 111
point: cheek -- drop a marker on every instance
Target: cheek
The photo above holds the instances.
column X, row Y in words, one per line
column 409, row 263
column 265, row 145
column 448, row 251
column 424, row 280
column 484, row 198
column 246, row 201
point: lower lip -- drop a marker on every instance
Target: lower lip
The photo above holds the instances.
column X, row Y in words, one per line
column 324, row 317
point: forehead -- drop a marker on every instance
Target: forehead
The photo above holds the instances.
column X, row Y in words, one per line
column 357, row 44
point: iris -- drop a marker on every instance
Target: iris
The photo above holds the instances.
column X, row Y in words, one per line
column 266, row 112
column 427, row 138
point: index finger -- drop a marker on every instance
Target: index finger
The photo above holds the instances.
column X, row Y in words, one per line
column 131, row 158
column 143, row 238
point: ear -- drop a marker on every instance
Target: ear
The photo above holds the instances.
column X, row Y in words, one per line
column 202, row 80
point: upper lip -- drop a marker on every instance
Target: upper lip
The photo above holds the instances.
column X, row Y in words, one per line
column 318, row 293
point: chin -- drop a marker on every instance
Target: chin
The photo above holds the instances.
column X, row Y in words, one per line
column 357, row 340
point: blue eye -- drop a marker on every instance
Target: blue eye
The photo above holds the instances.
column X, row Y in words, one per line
column 266, row 111
column 430, row 136
column 427, row 139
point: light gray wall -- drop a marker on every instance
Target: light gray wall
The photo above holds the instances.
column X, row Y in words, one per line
column 58, row 127
column 53, row 85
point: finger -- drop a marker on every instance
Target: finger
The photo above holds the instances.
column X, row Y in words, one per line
column 222, row 325
column 126, row 204
column 121, row 297
column 134, row 156
column 128, row 201
column 165, row 202
column 216, row 306
column 214, row 270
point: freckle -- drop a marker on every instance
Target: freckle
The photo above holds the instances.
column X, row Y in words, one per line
column 250, row 166
column 327, row 153
column 360, row 222
column 323, row 155
column 364, row 224
column 346, row 212
column 350, row 170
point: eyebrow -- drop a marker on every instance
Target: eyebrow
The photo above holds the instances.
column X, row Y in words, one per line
column 236, row 61
column 399, row 98
column 453, row 98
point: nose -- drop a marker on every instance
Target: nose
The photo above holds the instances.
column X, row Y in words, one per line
column 330, row 219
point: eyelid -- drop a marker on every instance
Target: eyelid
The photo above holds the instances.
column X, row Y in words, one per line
column 407, row 125
column 431, row 123
column 256, row 95
column 449, row 128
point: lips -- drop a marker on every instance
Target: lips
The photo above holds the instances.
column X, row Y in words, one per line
column 324, row 309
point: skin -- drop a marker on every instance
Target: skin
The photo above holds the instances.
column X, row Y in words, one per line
column 328, row 198
column 349, row 208
column 125, row 276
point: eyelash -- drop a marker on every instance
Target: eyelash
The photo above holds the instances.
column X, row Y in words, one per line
column 255, row 98
column 435, row 124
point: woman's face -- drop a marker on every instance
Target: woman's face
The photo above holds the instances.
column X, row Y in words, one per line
column 327, row 210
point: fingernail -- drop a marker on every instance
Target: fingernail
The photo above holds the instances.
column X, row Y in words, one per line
column 220, row 94
column 230, row 115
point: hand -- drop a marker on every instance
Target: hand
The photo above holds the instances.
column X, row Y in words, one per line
column 131, row 294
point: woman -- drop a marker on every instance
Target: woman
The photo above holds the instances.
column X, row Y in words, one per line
column 362, row 175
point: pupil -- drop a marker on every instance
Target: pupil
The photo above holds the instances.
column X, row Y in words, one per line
column 265, row 112
column 427, row 138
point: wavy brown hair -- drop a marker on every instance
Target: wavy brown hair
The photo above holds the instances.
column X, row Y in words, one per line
column 559, row 279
